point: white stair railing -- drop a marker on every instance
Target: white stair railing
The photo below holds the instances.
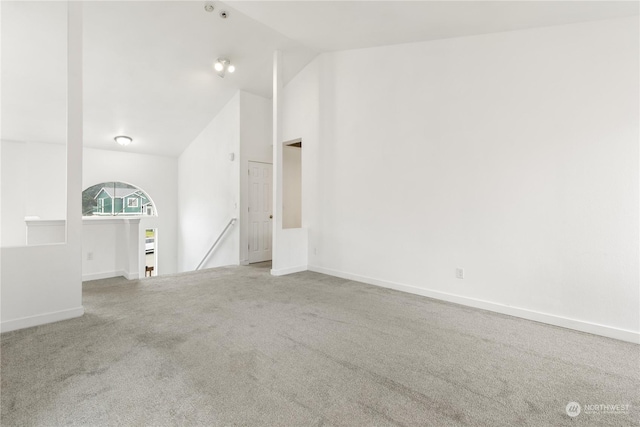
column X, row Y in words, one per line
column 231, row 222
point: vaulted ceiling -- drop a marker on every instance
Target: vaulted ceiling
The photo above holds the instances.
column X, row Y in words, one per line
column 148, row 65
column 147, row 70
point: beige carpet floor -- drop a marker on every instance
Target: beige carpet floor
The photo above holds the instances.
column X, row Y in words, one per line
column 236, row 346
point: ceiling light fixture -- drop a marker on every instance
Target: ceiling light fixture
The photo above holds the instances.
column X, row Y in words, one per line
column 123, row 140
column 222, row 66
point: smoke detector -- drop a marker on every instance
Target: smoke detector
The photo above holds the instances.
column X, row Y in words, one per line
column 208, row 6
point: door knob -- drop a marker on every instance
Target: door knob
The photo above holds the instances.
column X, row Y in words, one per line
column 270, row 216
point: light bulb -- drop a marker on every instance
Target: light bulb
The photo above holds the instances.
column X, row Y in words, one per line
column 218, row 66
column 123, row 140
column 231, row 68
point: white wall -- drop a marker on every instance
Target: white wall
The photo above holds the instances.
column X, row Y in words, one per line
column 116, row 248
column 33, row 184
column 45, row 232
column 45, row 173
column 157, row 176
column 208, row 192
column 511, row 155
column 255, row 146
column 42, row 284
column 102, row 238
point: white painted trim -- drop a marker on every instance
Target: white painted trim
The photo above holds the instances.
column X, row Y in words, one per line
column 290, row 270
column 110, row 219
column 114, row 196
column 101, row 190
column 40, row 319
column 104, row 275
column 551, row 319
column 134, row 275
column 244, row 262
column 45, row 222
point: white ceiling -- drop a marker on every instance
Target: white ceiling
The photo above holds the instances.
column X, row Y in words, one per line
column 147, row 70
column 147, row 65
column 340, row 25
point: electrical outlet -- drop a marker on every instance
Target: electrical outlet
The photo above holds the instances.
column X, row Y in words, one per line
column 89, row 256
column 460, row 273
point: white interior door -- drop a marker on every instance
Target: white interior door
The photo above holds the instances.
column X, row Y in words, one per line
column 260, row 211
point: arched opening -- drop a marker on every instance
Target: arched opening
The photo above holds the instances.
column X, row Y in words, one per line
column 116, row 199
column 118, row 218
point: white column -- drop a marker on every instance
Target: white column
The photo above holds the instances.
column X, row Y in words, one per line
column 134, row 248
column 74, row 141
column 277, row 158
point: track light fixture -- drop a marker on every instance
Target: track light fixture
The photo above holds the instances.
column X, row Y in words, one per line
column 222, row 66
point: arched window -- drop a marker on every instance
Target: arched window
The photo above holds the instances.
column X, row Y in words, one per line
column 116, row 198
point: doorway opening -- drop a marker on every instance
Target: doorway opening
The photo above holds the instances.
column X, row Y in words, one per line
column 151, row 252
column 292, row 184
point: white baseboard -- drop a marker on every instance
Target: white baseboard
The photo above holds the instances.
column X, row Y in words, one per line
column 131, row 275
column 109, row 274
column 40, row 319
column 290, row 270
column 104, row 275
column 551, row 319
column 244, row 262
